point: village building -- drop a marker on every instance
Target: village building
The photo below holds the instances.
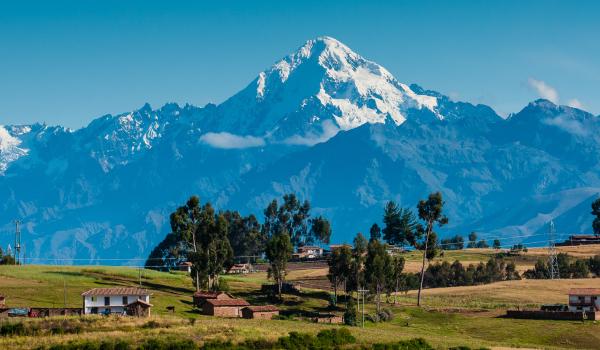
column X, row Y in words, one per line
column 575, row 240
column 185, row 266
column 118, row 300
column 224, row 307
column 394, row 250
column 263, row 312
column 202, row 296
column 308, row 252
column 584, row 299
column 239, row 269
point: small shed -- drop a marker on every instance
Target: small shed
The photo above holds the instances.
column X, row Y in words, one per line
column 138, row 308
column 202, row 296
column 224, row 307
column 264, row 312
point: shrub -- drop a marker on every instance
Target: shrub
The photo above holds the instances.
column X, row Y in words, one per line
column 151, row 324
column 386, row 315
column 12, row 329
column 412, row 344
column 170, row 344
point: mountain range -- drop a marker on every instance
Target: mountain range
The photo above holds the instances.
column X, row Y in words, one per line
column 324, row 123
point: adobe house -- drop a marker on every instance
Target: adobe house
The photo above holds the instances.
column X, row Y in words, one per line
column 202, row 296
column 138, row 308
column 224, row 307
column 263, row 312
column 113, row 300
column 239, row 269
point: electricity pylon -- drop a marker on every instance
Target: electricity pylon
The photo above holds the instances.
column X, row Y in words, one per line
column 552, row 256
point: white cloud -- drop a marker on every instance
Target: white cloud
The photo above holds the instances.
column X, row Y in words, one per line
column 575, row 103
column 544, row 90
column 569, row 125
column 226, row 140
column 310, row 139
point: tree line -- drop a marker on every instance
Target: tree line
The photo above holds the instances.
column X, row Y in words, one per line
column 568, row 267
column 210, row 239
column 369, row 265
column 6, row 259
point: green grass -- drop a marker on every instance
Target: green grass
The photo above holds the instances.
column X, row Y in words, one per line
column 43, row 286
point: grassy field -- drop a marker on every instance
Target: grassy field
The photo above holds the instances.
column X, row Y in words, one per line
column 450, row 316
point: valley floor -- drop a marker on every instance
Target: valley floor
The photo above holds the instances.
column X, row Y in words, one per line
column 450, row 317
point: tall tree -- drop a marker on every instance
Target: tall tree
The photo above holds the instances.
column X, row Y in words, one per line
column 376, row 269
column 396, row 275
column 168, row 254
column 293, row 217
column 278, row 251
column 216, row 253
column 185, row 222
column 596, row 213
column 245, row 235
column 430, row 212
column 375, row 232
column 340, row 268
column 472, row 240
column 496, row 244
column 399, row 225
column 320, row 230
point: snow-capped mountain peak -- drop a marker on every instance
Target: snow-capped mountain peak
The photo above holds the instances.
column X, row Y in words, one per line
column 9, row 145
column 326, row 79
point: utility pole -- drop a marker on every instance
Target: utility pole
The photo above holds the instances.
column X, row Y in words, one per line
column 17, row 241
column 140, row 275
column 552, row 256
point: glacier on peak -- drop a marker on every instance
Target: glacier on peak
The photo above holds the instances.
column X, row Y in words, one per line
column 9, row 146
column 323, row 78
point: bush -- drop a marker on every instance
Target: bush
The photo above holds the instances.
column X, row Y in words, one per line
column 326, row 339
column 331, row 337
column 223, row 285
column 87, row 345
column 171, row 344
column 12, row 329
column 151, row 324
column 412, row 344
column 386, row 315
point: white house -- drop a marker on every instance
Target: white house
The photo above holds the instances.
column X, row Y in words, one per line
column 584, row 299
column 113, row 300
column 308, row 252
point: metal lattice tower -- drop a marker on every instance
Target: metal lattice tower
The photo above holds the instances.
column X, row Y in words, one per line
column 17, row 241
column 552, row 255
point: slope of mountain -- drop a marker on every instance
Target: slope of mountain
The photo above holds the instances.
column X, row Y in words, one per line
column 323, row 122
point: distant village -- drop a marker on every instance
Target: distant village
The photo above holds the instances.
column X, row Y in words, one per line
column 580, row 303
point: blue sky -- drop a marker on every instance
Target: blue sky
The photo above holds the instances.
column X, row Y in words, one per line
column 67, row 62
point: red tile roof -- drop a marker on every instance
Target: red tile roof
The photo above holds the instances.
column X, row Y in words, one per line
column 262, row 308
column 584, row 291
column 116, row 291
column 140, row 301
column 227, row 302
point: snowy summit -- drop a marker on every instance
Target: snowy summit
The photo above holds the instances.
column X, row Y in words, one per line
column 324, row 83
